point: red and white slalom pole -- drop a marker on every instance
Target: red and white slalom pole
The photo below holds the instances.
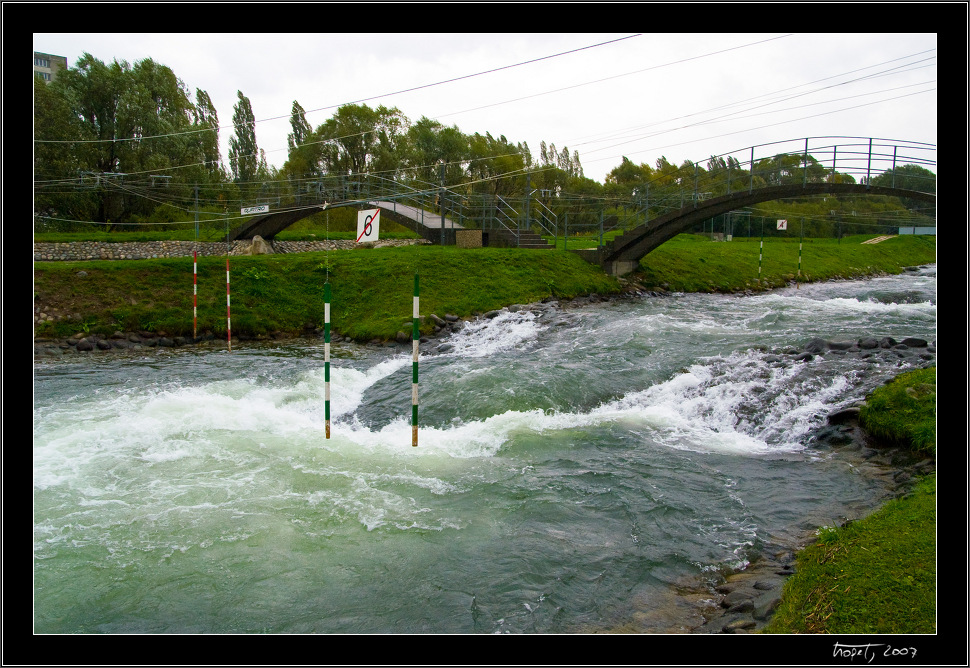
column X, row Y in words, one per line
column 228, row 318
column 195, row 293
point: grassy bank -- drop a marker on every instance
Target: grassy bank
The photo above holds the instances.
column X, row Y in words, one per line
column 372, row 289
column 693, row 263
column 877, row 575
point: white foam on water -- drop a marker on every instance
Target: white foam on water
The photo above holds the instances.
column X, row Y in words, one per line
column 847, row 305
column 484, row 337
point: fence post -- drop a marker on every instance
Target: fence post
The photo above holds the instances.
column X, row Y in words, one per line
column 869, row 165
column 805, row 165
column 751, row 175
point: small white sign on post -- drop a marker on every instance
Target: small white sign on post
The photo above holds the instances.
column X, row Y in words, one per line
column 368, row 225
column 782, row 224
column 262, row 208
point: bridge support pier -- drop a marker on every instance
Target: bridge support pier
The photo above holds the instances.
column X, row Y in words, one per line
column 620, row 267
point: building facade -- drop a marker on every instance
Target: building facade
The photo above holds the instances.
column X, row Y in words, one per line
column 46, row 65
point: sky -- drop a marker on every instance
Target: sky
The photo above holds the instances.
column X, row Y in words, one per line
column 682, row 96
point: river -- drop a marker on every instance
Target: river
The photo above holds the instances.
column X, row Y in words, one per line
column 574, row 466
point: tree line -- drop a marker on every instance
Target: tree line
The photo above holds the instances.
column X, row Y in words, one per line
column 119, row 143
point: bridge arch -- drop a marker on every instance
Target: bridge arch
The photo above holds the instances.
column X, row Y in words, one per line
column 428, row 225
column 623, row 254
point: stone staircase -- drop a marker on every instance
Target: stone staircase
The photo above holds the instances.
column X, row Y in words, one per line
column 505, row 238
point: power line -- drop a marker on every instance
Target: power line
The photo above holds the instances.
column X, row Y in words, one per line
column 373, row 97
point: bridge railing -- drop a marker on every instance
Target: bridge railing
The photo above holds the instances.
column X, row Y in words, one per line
column 797, row 161
column 546, row 220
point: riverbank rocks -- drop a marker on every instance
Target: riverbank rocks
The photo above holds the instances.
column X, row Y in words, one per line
column 867, row 346
column 148, row 250
column 259, row 246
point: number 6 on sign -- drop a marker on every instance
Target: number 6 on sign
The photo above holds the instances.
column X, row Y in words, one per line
column 368, row 224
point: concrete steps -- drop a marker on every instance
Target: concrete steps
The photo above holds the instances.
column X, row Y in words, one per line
column 526, row 240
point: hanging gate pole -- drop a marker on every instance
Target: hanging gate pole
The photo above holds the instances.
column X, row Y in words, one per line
column 415, row 337
column 761, row 249
column 195, row 293
column 228, row 318
column 326, row 354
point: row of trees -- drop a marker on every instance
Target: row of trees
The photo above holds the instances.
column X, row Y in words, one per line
column 124, row 143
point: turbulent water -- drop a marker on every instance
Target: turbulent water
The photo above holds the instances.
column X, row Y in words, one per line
column 574, row 467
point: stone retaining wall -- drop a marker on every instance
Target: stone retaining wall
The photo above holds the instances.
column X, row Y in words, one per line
column 147, row 250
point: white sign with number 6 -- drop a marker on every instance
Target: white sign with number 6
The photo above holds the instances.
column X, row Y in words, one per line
column 368, row 225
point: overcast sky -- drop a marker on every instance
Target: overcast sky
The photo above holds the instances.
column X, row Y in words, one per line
column 683, row 96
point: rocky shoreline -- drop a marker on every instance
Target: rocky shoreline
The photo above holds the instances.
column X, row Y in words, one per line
column 78, row 251
column 744, row 601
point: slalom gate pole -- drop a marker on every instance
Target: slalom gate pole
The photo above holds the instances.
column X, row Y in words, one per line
column 799, row 256
column 228, row 318
column 761, row 249
column 415, row 337
column 326, row 354
column 195, row 294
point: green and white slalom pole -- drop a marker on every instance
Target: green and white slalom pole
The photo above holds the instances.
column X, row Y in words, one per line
column 800, row 237
column 326, row 354
column 761, row 249
column 415, row 337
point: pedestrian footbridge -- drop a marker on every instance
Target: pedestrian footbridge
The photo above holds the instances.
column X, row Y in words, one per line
column 672, row 201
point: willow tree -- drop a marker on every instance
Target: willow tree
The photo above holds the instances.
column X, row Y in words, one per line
column 107, row 126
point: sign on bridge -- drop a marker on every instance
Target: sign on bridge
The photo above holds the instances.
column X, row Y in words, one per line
column 262, row 208
column 368, row 224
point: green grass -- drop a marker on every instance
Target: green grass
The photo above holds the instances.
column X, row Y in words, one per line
column 877, row 575
column 314, row 228
column 372, row 289
column 903, row 412
column 693, row 263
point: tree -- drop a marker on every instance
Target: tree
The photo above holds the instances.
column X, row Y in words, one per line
column 206, row 117
column 907, row 177
column 126, row 120
column 910, row 177
column 243, row 151
column 301, row 129
column 359, row 139
column 427, row 145
column 496, row 167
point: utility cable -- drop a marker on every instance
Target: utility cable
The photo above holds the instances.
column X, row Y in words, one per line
column 374, row 97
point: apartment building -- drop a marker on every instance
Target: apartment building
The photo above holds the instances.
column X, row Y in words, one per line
column 46, row 65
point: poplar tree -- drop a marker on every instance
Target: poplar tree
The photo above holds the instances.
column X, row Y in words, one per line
column 301, row 129
column 243, row 151
column 206, row 116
